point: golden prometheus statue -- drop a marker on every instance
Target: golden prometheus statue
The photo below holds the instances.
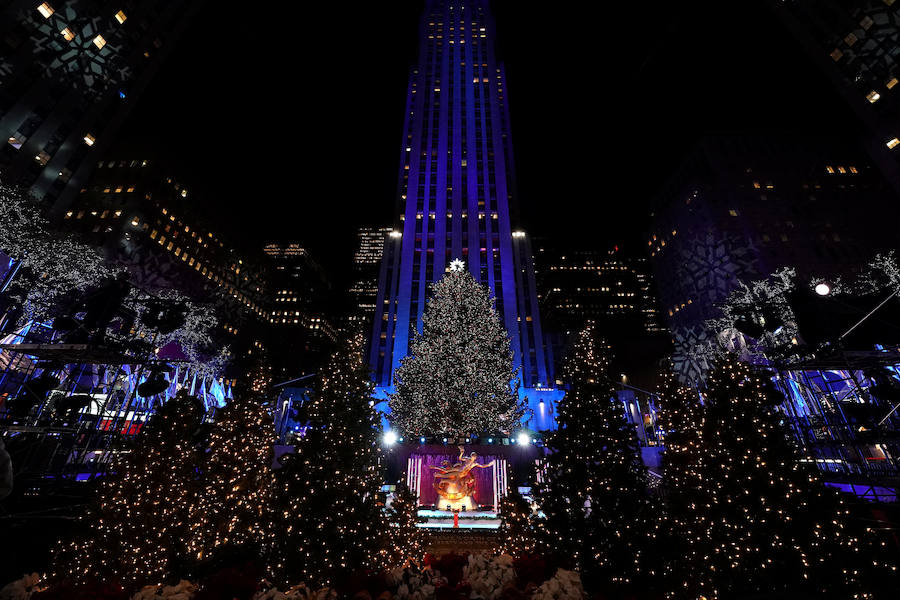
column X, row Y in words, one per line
column 455, row 483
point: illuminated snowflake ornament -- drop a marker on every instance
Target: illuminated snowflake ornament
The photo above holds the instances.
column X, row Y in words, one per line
column 457, row 265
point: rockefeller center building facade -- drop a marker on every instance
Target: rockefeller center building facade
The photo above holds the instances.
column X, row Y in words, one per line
column 456, row 199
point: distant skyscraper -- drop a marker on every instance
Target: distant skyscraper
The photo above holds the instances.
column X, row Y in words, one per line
column 741, row 207
column 609, row 287
column 302, row 333
column 366, row 262
column 604, row 286
column 457, row 194
column 70, row 70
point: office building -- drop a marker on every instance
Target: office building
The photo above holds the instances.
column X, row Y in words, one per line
column 70, row 71
column 612, row 288
column 302, row 332
column 366, row 261
column 456, row 194
column 146, row 217
column 741, row 207
column 604, row 286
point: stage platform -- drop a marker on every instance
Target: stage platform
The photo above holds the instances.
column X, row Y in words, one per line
column 476, row 541
column 470, row 519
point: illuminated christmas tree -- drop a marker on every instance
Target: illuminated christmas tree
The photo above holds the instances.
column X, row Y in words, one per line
column 592, row 485
column 139, row 526
column 233, row 511
column 55, row 267
column 755, row 518
column 406, row 541
column 330, row 522
column 681, row 418
column 518, row 532
column 458, row 378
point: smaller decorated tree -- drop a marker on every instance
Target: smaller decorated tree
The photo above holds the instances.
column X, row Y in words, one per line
column 138, row 528
column 753, row 517
column 329, row 519
column 681, row 418
column 405, row 543
column 592, row 487
column 458, row 378
column 233, row 511
column 518, row 529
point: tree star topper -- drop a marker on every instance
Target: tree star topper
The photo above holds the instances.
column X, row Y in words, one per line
column 457, row 265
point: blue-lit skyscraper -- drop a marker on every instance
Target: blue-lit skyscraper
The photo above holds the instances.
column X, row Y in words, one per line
column 457, row 196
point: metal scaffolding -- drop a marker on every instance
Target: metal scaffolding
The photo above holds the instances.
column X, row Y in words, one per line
column 93, row 408
column 844, row 422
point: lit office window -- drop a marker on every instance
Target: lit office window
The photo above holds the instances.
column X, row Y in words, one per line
column 89, row 139
column 120, row 17
column 67, row 33
column 891, row 143
column 99, row 41
column 16, row 140
column 892, row 82
column 45, row 9
column 873, row 96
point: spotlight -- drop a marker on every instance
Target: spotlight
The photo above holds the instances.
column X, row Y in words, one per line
column 823, row 289
column 421, row 440
column 390, row 438
column 155, row 384
column 522, row 438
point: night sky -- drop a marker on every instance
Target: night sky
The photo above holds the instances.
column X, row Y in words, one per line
column 288, row 121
